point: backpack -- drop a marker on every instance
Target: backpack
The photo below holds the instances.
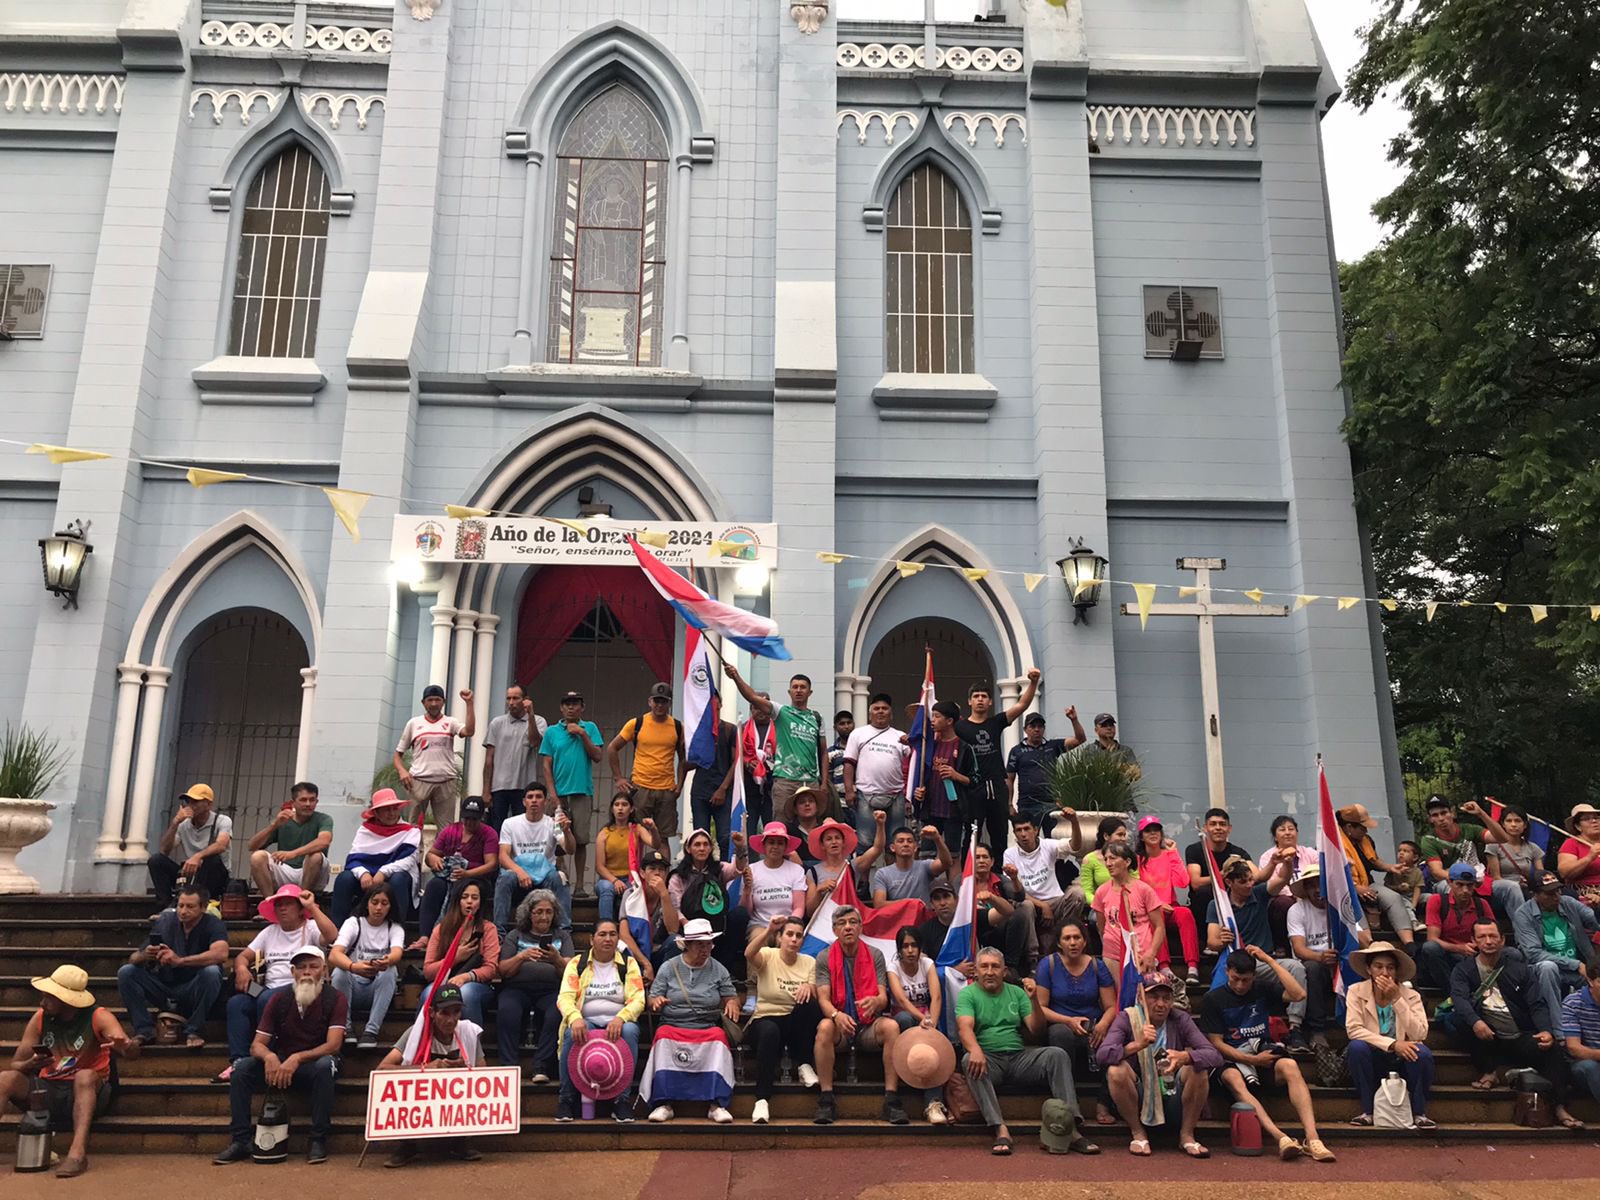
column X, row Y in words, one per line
column 704, row 896
column 677, row 728
column 622, row 960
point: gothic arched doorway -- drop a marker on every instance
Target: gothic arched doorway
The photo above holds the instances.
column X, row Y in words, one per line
column 239, row 720
column 960, row 659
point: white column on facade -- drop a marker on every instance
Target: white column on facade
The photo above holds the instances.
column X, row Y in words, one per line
column 678, row 307
column 522, row 351
column 1010, row 693
column 483, row 681
column 130, row 680
column 461, row 662
column 444, row 618
column 308, row 697
column 144, row 776
column 844, row 691
column 860, row 689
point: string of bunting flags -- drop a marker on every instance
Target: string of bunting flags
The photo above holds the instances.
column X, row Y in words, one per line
column 348, row 504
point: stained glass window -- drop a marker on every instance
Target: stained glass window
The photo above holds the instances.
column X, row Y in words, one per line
column 608, row 237
column 928, row 281
column 283, row 240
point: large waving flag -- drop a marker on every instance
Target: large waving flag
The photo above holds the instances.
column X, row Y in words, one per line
column 1538, row 831
column 1129, row 977
column 1225, row 918
column 702, row 707
column 921, row 735
column 878, row 925
column 961, row 939
column 1345, row 918
column 424, row 1022
column 744, row 629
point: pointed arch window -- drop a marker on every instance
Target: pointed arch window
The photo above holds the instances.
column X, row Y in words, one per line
column 928, row 280
column 283, row 243
column 608, row 259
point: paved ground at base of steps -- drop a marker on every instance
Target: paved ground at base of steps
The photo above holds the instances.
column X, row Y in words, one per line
column 1421, row 1171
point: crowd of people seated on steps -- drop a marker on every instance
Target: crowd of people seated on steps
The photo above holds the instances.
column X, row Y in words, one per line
column 702, row 936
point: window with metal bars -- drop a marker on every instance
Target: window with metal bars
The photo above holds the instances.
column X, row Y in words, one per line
column 283, row 241
column 928, row 327
column 608, row 259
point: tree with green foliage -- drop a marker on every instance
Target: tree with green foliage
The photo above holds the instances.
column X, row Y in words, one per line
column 1473, row 361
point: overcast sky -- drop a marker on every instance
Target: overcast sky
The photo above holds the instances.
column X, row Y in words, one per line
column 1358, row 173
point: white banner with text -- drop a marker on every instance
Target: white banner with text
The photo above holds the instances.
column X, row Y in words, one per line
column 444, row 1103
column 537, row 540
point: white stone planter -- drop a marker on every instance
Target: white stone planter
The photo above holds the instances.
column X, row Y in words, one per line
column 1089, row 823
column 22, row 823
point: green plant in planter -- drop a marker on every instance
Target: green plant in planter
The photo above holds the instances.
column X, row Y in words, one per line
column 1096, row 783
column 29, row 762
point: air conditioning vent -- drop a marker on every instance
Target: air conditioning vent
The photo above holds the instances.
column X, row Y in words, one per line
column 1182, row 323
column 23, row 293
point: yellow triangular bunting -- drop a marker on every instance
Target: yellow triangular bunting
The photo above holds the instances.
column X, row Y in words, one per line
column 462, row 511
column 347, row 506
column 65, row 454
column 1144, row 594
column 651, row 537
column 581, row 528
column 1030, row 580
column 975, row 574
column 1082, row 586
column 1348, row 602
column 1539, row 611
column 908, row 569
column 1389, row 605
column 1187, row 590
column 200, row 477
column 1255, row 594
column 1501, row 605
column 1594, row 612
column 1433, row 607
column 1301, row 601
column 831, row 557
column 727, row 549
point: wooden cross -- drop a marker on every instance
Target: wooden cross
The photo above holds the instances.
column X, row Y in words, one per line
column 1207, row 612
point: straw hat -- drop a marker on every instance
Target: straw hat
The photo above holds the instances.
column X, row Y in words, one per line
column 924, row 1058
column 1405, row 969
column 68, row 984
column 1307, row 875
column 697, row 930
column 1579, row 810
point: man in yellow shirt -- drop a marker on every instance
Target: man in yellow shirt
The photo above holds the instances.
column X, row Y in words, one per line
column 660, row 763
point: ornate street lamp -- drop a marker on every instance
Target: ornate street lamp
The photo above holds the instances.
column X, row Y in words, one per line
column 62, row 557
column 1085, row 572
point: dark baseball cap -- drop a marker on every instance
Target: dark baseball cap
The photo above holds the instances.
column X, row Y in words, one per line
column 448, row 996
column 652, row 858
column 432, row 690
column 937, row 887
column 473, row 806
column 572, row 697
column 1105, row 718
column 1033, row 719
column 1545, row 881
column 663, row 690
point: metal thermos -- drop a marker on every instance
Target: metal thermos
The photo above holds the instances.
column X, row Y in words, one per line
column 33, row 1133
column 272, row 1130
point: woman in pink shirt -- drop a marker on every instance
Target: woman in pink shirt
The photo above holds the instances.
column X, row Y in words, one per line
column 1125, row 902
column 1163, row 870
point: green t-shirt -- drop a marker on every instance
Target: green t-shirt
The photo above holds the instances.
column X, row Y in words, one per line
column 999, row 1015
column 569, row 761
column 799, row 730
column 291, row 835
column 1557, row 936
column 1464, row 849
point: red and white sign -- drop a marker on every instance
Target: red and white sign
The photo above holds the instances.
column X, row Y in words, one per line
column 444, row 1103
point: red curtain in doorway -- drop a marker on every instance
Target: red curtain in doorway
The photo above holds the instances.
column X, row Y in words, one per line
column 561, row 597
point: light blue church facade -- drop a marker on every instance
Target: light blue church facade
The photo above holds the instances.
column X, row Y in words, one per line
column 954, row 294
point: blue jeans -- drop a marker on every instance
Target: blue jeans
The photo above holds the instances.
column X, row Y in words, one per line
column 141, row 987
column 704, row 814
column 1586, row 1075
column 569, row 1092
column 244, row 1010
column 513, row 1004
column 609, row 894
column 375, row 995
column 867, row 825
column 508, row 893
column 1368, row 1065
column 250, row 1077
column 347, row 895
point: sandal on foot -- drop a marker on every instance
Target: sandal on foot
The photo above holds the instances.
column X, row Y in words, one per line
column 1001, row 1147
column 1082, row 1145
column 1570, row 1122
column 1483, row 1083
column 1195, row 1150
column 1139, row 1147
column 72, row 1167
column 1426, row 1122
column 1362, row 1120
column 1104, row 1118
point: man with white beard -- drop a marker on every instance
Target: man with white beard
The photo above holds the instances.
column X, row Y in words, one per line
column 296, row 1045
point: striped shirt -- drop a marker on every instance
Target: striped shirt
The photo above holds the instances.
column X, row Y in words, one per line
column 1580, row 1018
